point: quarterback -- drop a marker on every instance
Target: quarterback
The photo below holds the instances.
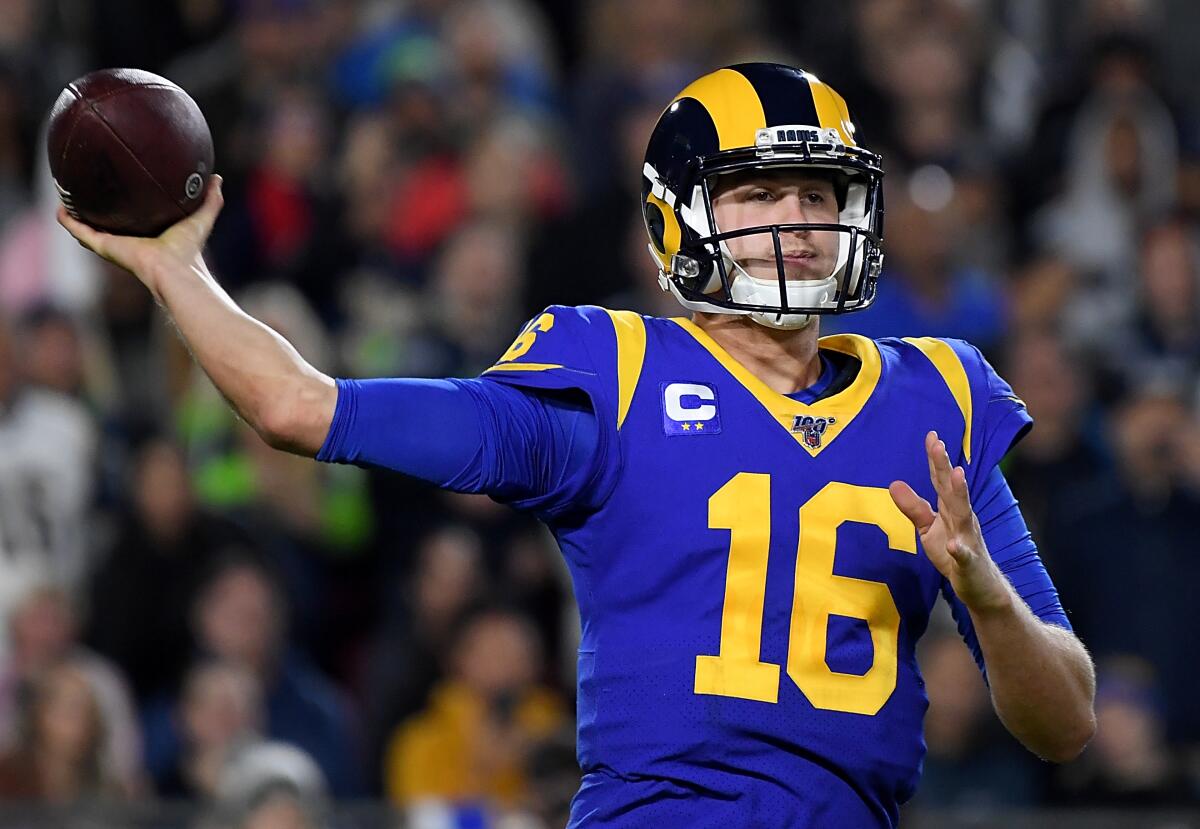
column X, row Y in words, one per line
column 758, row 521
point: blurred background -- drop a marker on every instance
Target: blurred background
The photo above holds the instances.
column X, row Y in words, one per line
column 197, row 631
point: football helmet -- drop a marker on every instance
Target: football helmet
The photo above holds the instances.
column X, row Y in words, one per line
column 758, row 116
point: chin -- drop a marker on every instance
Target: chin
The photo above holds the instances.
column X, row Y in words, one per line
column 784, row 323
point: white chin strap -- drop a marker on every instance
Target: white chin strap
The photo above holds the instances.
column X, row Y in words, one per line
column 809, row 293
column 747, row 289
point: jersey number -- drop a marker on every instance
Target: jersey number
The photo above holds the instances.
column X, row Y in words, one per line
column 743, row 506
column 525, row 339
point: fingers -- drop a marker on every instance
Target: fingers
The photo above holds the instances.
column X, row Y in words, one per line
column 939, row 462
column 962, row 494
column 87, row 235
column 915, row 508
column 953, row 490
column 950, row 483
column 954, row 501
column 214, row 199
column 933, row 453
column 203, row 219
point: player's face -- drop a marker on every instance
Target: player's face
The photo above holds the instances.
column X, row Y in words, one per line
column 765, row 197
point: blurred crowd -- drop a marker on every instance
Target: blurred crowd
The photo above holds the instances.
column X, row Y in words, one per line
column 187, row 614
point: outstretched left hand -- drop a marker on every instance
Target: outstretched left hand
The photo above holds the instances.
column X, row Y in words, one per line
column 951, row 536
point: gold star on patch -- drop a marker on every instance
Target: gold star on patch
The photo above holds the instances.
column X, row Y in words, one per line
column 699, row 427
column 687, row 427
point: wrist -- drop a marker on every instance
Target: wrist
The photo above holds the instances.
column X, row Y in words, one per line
column 997, row 600
column 157, row 272
column 150, row 275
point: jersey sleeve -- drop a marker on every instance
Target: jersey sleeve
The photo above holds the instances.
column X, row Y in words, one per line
column 571, row 352
column 1011, row 546
column 521, row 446
column 993, row 417
column 999, row 417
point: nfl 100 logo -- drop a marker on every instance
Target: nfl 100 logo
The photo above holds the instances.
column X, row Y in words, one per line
column 812, row 429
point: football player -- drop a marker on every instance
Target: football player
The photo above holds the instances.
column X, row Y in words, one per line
column 758, row 521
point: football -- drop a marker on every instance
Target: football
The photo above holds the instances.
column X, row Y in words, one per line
column 130, row 151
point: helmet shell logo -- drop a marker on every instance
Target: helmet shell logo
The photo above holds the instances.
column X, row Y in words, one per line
column 812, row 429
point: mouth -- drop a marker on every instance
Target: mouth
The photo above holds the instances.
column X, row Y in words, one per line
column 792, row 258
column 800, row 265
column 799, row 257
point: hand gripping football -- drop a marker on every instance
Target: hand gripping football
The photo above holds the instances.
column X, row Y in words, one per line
column 130, row 151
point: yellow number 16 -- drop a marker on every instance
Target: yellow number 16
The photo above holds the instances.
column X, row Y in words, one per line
column 743, row 506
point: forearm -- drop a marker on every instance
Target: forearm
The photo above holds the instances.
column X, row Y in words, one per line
column 287, row 401
column 1042, row 679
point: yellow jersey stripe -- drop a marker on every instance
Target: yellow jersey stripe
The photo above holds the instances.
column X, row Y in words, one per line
column 522, row 367
column 842, row 407
column 947, row 363
column 733, row 104
column 631, row 354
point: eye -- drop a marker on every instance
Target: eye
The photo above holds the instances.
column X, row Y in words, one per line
column 758, row 194
column 814, row 197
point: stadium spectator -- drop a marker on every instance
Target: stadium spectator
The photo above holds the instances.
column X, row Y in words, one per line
column 1159, row 332
column 13, row 147
column 472, row 741
column 554, row 778
column 471, row 305
column 47, row 451
column 1060, row 455
column 270, row 784
column 279, row 808
column 1123, row 156
column 1123, row 540
column 244, row 780
column 1130, row 765
column 43, row 633
column 971, row 763
column 924, row 292
column 414, row 641
column 272, row 233
column 54, row 351
column 220, row 709
column 535, row 584
column 927, row 69
column 619, row 266
column 59, row 756
column 239, row 616
column 145, row 582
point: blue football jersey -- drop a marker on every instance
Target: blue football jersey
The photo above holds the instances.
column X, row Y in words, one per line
column 750, row 595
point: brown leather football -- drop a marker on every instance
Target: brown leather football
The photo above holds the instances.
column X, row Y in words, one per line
column 130, row 151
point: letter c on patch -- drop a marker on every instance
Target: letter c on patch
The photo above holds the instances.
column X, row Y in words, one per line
column 673, row 399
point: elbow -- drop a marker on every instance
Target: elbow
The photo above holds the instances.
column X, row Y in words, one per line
column 1070, row 742
column 276, row 425
column 298, row 421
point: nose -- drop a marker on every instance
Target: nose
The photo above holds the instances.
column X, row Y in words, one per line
column 793, row 210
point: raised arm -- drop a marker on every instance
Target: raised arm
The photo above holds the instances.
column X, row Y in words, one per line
column 288, row 403
column 1042, row 680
